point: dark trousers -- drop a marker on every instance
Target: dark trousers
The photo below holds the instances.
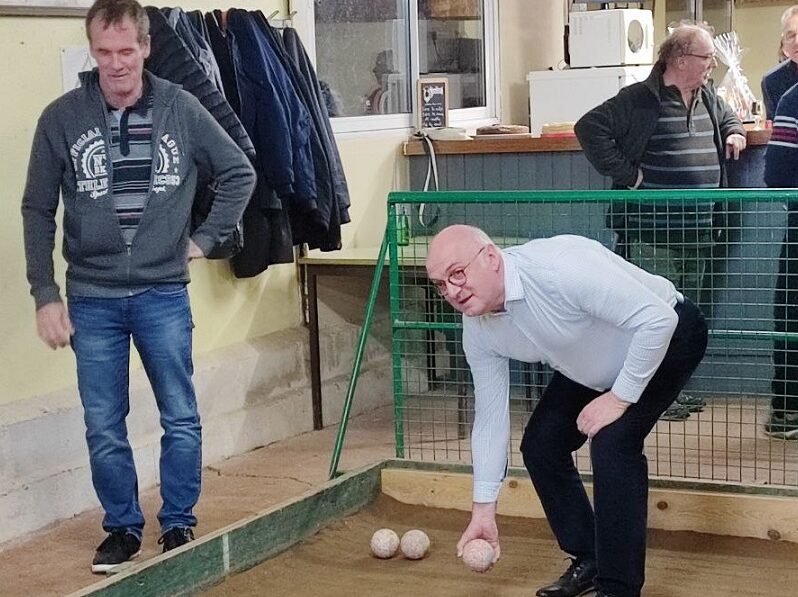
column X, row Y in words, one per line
column 613, row 530
column 785, row 319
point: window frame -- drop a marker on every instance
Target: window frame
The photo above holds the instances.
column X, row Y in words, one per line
column 303, row 19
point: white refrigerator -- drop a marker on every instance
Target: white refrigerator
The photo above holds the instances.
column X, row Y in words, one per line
column 565, row 95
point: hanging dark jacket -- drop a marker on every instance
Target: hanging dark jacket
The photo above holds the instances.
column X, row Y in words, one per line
column 171, row 60
column 320, row 227
column 221, row 44
column 265, row 223
column 296, row 51
column 274, row 116
column 195, row 42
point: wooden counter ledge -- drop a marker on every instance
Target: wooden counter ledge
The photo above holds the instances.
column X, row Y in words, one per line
column 527, row 144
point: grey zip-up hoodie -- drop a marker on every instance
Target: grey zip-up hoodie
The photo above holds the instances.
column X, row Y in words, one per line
column 70, row 155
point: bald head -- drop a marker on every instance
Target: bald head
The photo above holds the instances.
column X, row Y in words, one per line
column 458, row 237
column 467, row 268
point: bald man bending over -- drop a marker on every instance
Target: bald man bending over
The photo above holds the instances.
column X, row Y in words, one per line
column 622, row 342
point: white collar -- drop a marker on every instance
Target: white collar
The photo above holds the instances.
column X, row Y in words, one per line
column 513, row 289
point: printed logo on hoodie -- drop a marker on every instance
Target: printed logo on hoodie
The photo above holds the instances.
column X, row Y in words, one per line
column 90, row 160
column 167, row 166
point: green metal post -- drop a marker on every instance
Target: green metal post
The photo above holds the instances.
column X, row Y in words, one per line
column 361, row 346
column 394, row 215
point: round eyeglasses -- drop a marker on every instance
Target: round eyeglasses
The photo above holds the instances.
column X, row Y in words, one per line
column 457, row 276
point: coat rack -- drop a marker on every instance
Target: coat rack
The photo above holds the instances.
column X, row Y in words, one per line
column 281, row 23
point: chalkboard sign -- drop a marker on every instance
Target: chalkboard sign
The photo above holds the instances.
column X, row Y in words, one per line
column 433, row 103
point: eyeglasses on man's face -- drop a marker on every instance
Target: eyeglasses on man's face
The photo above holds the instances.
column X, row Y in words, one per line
column 712, row 56
column 457, row 276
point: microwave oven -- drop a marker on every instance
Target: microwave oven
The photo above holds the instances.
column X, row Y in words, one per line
column 615, row 37
column 564, row 96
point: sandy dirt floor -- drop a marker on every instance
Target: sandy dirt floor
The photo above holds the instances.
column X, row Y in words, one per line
column 338, row 562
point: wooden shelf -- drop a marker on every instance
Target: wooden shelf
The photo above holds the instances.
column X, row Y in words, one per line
column 505, row 144
column 528, row 144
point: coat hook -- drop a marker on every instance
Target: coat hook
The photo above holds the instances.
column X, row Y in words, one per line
column 274, row 14
column 292, row 14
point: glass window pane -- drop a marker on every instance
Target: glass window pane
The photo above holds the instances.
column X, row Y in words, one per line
column 362, row 55
column 718, row 13
column 676, row 10
column 451, row 37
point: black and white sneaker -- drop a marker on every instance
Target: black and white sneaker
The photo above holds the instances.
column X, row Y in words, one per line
column 174, row 538
column 118, row 548
column 783, row 425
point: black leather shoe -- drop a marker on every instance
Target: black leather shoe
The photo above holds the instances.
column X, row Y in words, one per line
column 577, row 580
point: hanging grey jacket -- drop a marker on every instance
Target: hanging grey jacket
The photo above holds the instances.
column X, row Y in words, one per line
column 70, row 155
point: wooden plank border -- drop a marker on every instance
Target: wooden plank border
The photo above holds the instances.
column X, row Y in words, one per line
column 243, row 544
column 723, row 510
column 672, row 508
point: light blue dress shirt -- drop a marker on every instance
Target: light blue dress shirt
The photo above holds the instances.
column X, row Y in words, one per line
column 572, row 304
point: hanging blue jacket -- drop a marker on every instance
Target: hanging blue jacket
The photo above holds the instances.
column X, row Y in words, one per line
column 274, row 116
column 297, row 53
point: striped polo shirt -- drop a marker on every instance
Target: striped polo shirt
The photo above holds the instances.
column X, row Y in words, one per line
column 130, row 153
column 680, row 154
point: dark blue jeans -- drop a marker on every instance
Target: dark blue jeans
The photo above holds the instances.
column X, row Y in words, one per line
column 159, row 322
column 612, row 531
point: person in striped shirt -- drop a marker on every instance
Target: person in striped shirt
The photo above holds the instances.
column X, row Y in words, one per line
column 781, row 170
column 622, row 342
column 120, row 157
column 671, row 131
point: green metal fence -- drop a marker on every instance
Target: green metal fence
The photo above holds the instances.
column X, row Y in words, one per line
column 721, row 247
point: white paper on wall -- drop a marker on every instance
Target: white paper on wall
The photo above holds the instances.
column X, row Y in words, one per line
column 73, row 61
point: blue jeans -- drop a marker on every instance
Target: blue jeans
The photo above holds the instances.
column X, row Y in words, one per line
column 612, row 531
column 159, row 321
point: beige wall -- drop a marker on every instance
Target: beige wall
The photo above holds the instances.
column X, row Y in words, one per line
column 759, row 28
column 30, row 49
column 531, row 37
column 374, row 166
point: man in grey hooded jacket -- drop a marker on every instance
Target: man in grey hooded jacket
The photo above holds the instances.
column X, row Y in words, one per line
column 123, row 151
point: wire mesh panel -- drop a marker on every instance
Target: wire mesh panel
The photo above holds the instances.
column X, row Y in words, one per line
column 724, row 249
